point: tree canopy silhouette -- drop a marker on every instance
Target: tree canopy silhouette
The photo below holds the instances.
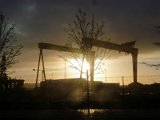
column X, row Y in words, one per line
column 78, row 31
column 9, row 47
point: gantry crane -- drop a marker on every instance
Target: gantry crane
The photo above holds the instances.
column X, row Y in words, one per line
column 125, row 47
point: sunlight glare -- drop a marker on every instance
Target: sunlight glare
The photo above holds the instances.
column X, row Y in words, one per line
column 86, row 66
column 76, row 64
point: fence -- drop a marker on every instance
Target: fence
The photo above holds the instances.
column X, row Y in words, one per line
column 147, row 79
column 144, row 79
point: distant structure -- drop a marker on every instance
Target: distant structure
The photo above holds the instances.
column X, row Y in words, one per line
column 125, row 47
column 75, row 89
column 11, row 84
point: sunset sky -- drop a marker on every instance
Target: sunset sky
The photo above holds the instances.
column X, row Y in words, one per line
column 44, row 21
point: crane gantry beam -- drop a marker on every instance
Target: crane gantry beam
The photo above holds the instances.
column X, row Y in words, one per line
column 49, row 46
column 125, row 47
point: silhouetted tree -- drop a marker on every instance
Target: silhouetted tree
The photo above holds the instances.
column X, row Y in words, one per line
column 158, row 30
column 3, row 74
column 82, row 28
column 157, row 66
column 9, row 47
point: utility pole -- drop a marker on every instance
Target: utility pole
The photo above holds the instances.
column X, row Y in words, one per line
column 88, row 100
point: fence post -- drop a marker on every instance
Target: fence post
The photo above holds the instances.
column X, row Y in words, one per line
column 123, row 85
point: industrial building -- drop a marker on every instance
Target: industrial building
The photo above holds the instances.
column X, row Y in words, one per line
column 11, row 84
column 75, row 89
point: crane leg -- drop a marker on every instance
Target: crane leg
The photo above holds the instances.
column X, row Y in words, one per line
column 38, row 67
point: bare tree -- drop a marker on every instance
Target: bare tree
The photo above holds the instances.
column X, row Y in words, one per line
column 9, row 47
column 82, row 28
column 157, row 66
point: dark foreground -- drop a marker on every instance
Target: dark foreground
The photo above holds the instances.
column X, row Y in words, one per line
column 37, row 105
column 106, row 114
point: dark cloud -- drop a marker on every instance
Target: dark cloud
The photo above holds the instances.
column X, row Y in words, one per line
column 125, row 20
